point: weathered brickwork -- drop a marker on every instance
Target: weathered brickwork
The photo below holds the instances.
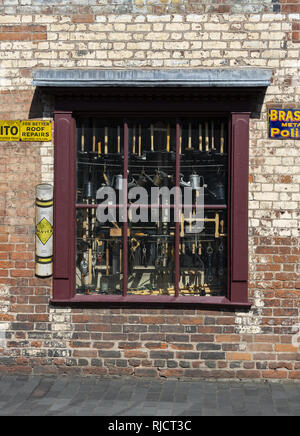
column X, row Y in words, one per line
column 36, row 337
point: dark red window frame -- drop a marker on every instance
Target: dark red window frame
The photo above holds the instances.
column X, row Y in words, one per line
column 65, row 198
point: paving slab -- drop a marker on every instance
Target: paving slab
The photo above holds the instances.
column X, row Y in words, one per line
column 95, row 396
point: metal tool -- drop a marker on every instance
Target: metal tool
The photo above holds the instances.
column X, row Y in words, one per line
column 144, row 256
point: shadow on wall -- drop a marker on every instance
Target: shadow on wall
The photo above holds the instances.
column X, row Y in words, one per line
column 41, row 105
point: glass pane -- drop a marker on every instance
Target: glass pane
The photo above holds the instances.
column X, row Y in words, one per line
column 151, row 244
column 100, row 155
column 99, row 244
column 98, row 255
column 151, row 259
column 204, row 166
column 204, row 154
column 203, row 256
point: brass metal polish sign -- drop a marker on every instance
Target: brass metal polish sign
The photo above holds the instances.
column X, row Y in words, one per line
column 284, row 123
column 30, row 130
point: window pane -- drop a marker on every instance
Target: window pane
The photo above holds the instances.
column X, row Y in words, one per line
column 152, row 171
column 203, row 255
column 100, row 152
column 98, row 255
column 99, row 244
column 204, row 166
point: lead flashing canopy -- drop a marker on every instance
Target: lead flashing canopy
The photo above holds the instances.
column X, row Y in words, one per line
column 247, row 77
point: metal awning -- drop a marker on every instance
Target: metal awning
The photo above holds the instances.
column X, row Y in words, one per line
column 245, row 77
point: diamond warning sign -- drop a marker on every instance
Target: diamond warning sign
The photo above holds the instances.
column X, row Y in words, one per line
column 44, row 231
column 35, row 131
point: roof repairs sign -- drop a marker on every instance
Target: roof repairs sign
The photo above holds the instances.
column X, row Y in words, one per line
column 30, row 130
column 35, row 131
column 284, row 123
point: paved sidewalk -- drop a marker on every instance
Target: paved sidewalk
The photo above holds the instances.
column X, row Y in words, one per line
column 62, row 396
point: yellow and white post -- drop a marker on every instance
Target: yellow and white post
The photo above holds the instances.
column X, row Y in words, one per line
column 44, row 230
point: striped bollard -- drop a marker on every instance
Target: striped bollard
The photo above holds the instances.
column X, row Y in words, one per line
column 44, row 230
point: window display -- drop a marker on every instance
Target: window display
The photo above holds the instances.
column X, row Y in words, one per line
column 151, row 212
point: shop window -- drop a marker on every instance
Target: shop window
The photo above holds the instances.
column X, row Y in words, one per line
column 187, row 247
column 156, row 160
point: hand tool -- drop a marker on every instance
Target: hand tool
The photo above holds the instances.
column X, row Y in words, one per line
column 90, row 266
column 84, row 268
column 94, row 136
column 222, row 139
column 82, row 138
column 206, row 137
column 99, row 149
column 209, row 251
column 168, row 138
column 152, row 137
column 106, row 140
column 221, row 262
column 119, row 139
column 182, row 225
column 140, row 140
column 190, row 138
column 133, row 140
column 107, row 259
column 212, row 135
column 200, row 137
column 144, row 256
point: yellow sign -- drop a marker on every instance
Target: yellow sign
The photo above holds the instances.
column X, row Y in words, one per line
column 35, row 131
column 31, row 130
column 9, row 130
column 44, row 231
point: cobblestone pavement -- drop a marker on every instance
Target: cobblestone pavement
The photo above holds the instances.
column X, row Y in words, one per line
column 62, row 396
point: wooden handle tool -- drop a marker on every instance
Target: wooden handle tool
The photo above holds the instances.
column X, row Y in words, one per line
column 200, row 137
column 152, row 137
column 222, row 140
column 105, row 140
column 94, row 137
column 133, row 139
column 168, row 138
column 82, row 138
column 140, row 140
column 206, row 137
column 119, row 140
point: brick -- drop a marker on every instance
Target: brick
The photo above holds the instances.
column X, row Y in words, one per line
column 238, row 356
column 285, row 348
column 161, row 354
column 275, row 374
column 88, row 18
column 212, row 355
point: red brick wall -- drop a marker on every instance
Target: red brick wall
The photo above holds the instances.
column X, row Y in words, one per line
column 36, row 337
